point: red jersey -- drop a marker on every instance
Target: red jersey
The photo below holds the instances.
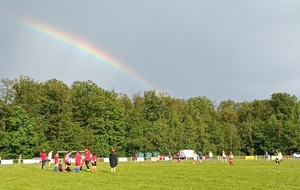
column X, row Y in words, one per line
column 87, row 155
column 77, row 160
column 43, row 156
column 94, row 159
column 55, row 159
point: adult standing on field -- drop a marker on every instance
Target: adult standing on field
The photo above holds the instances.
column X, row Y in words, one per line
column 87, row 154
column 113, row 161
column 43, row 158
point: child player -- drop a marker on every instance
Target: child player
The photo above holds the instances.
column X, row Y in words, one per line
column 49, row 158
column 87, row 155
column 82, row 161
column 178, row 157
column 94, row 163
column 194, row 158
column 56, row 162
column 60, row 168
column 68, row 161
column 231, row 158
column 78, row 162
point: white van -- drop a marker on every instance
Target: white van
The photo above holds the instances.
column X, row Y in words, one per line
column 186, row 154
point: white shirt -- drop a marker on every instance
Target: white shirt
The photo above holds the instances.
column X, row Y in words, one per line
column 50, row 155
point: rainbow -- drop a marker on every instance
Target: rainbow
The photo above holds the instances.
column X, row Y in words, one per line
column 85, row 47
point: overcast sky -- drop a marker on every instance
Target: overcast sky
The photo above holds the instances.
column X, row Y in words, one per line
column 238, row 50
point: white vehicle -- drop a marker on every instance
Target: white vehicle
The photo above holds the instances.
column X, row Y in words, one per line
column 186, row 154
column 296, row 155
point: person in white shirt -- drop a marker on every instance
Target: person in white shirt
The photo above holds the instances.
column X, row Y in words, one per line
column 224, row 157
column 49, row 157
column 210, row 155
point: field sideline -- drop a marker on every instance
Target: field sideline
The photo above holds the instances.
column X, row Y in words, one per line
column 158, row 175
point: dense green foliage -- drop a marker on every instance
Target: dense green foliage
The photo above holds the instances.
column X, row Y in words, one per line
column 51, row 115
column 157, row 175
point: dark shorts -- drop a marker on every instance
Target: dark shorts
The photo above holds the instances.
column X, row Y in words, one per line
column 94, row 164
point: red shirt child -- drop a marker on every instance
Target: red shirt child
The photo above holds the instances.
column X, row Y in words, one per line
column 78, row 160
column 94, row 163
column 94, row 160
column 230, row 158
column 87, row 155
column 56, row 159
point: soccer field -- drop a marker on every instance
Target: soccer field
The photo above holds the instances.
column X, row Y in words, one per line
column 158, row 175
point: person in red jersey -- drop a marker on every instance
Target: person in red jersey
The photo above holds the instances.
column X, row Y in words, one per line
column 94, row 163
column 78, row 161
column 60, row 168
column 178, row 157
column 43, row 158
column 55, row 162
column 231, row 158
column 135, row 156
column 87, row 155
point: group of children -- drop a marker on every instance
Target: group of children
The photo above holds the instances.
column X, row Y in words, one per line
column 230, row 158
column 79, row 159
column 87, row 157
column 201, row 157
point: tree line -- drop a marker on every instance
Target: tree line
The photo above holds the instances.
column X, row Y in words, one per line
column 52, row 115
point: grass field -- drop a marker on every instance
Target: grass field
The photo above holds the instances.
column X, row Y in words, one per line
column 158, row 175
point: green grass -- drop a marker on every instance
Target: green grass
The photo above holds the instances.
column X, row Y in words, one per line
column 158, row 175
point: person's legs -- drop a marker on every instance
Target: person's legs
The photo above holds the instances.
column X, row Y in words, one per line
column 43, row 163
column 68, row 167
column 113, row 170
column 87, row 165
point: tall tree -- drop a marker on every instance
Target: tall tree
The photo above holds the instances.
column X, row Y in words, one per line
column 22, row 138
column 60, row 132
